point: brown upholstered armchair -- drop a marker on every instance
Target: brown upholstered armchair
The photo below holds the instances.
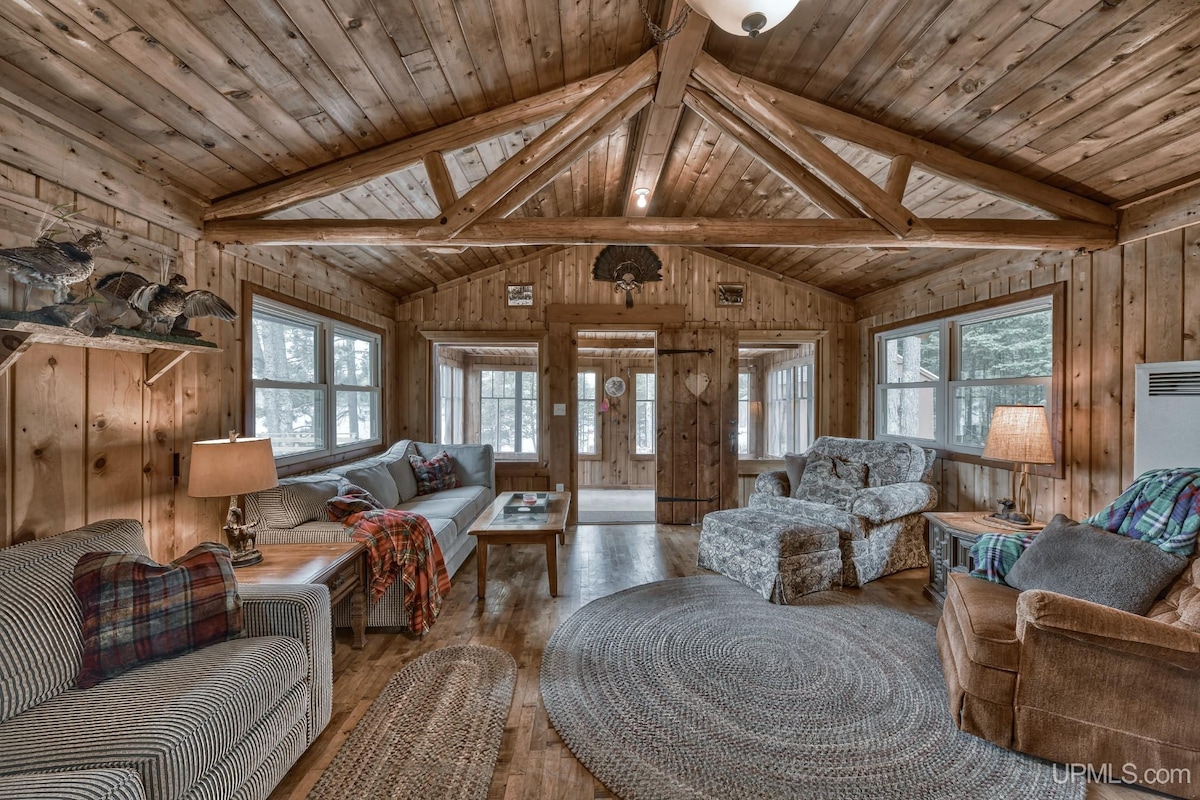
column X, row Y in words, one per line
column 1077, row 682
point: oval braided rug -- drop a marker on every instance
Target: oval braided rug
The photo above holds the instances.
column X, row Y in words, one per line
column 698, row 688
column 432, row 734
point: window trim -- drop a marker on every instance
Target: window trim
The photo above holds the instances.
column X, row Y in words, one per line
column 476, row 371
column 1055, row 396
column 632, row 392
column 331, row 455
column 598, row 455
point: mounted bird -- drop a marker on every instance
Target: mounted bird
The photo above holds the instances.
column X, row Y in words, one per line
column 51, row 264
column 627, row 266
column 164, row 308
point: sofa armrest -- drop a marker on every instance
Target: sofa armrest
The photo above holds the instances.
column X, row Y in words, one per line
column 300, row 612
column 84, row 784
column 773, row 483
column 1107, row 627
column 881, row 504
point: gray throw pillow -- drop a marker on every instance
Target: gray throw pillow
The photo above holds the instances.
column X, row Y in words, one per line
column 831, row 480
column 377, row 480
column 1086, row 562
column 794, row 463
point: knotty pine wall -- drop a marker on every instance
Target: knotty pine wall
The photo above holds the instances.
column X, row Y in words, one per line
column 82, row 437
column 1139, row 303
column 563, row 276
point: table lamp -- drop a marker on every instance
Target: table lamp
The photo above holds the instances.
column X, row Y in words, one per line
column 1020, row 434
column 229, row 468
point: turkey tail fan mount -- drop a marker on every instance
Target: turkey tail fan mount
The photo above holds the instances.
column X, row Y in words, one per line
column 628, row 267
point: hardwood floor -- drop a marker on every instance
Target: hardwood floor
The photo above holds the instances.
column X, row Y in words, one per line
column 519, row 616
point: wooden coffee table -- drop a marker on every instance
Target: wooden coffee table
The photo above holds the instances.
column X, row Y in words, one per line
column 342, row 566
column 492, row 527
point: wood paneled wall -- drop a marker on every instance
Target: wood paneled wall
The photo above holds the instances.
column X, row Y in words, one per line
column 1139, row 303
column 83, row 437
column 564, row 277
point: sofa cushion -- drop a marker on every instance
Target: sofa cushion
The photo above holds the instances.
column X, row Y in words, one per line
column 376, row 479
column 396, row 460
column 435, row 474
column 1181, row 606
column 793, row 464
column 887, row 462
column 987, row 614
column 1082, row 561
column 830, row 479
column 171, row 720
column 293, row 501
column 40, row 649
column 474, row 464
column 461, row 505
column 135, row 610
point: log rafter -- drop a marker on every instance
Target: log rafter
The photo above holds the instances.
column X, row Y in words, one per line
column 990, row 234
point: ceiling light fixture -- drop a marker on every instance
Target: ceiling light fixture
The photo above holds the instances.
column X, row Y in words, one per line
column 745, row 17
column 642, row 193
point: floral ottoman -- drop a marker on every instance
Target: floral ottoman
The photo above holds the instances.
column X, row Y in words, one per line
column 778, row 556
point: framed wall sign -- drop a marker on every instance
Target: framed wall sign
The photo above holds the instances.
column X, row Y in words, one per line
column 731, row 294
column 520, row 294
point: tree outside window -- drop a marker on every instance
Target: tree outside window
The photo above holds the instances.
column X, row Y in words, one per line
column 587, row 427
column 743, row 418
column 508, row 411
column 645, row 432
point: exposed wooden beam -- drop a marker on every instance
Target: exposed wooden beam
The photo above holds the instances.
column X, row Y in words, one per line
column 758, row 110
column 534, row 155
column 897, row 179
column 820, row 193
column 989, row 234
column 570, row 154
column 353, row 170
column 439, row 179
column 1169, row 212
column 661, row 122
column 935, row 158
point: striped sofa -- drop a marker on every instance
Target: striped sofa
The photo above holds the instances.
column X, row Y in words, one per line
column 294, row 512
column 226, row 721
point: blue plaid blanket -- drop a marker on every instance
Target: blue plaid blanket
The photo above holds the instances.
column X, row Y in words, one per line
column 994, row 554
column 1161, row 507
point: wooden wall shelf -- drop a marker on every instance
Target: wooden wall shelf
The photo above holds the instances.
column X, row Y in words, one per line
column 162, row 353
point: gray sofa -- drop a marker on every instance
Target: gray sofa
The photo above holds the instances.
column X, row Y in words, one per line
column 294, row 512
column 883, row 531
column 225, row 721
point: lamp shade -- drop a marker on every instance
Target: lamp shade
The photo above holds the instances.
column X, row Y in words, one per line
column 1019, row 433
column 745, row 17
column 223, row 468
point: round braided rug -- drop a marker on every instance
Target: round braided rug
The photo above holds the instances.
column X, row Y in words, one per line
column 432, row 734
column 698, row 688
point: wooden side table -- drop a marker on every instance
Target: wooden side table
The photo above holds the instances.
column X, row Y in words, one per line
column 951, row 534
column 342, row 566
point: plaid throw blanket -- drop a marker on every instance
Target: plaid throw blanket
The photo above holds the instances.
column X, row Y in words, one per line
column 399, row 544
column 994, row 554
column 1161, row 507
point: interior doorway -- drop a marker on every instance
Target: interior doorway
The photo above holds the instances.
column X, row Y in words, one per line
column 616, row 427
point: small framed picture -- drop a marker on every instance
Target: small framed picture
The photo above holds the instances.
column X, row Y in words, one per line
column 731, row 294
column 520, row 294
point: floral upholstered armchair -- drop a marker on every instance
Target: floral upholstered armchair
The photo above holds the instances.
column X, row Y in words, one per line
column 873, row 492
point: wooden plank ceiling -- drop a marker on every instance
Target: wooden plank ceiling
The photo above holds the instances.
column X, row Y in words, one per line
column 222, row 96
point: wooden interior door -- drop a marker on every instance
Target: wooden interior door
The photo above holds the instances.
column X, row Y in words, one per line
column 697, row 423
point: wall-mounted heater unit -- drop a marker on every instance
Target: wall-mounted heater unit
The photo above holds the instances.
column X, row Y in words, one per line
column 1166, row 427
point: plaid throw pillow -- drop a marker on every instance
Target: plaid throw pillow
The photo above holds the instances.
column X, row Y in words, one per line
column 435, row 474
column 135, row 610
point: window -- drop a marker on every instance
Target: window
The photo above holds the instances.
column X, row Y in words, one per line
column 645, row 432
column 743, row 417
column 937, row 382
column 587, row 423
column 508, row 410
column 450, row 404
column 315, row 382
column 789, row 409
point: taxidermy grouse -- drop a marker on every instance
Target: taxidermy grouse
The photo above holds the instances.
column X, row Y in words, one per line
column 53, row 265
column 165, row 309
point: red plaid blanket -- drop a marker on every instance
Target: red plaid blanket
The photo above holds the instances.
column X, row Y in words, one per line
column 399, row 544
